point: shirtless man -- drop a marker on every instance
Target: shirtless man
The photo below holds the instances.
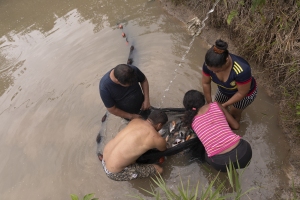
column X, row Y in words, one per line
column 136, row 138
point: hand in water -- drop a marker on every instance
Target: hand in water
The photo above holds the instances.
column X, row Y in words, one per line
column 134, row 116
column 146, row 105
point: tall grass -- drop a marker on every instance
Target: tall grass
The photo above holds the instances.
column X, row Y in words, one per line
column 215, row 190
column 265, row 32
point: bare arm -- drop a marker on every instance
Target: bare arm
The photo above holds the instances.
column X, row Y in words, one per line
column 231, row 121
column 239, row 95
column 118, row 112
column 206, row 85
column 160, row 143
column 145, row 88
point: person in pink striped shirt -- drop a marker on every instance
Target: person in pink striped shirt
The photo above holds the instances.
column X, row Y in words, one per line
column 213, row 125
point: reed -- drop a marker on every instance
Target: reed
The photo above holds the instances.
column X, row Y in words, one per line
column 215, row 190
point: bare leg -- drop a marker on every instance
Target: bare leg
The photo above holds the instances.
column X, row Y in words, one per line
column 236, row 113
column 159, row 169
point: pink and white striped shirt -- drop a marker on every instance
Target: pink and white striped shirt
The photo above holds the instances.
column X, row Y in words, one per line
column 213, row 130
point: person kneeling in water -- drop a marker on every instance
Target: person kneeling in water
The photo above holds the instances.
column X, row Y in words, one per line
column 120, row 154
column 212, row 123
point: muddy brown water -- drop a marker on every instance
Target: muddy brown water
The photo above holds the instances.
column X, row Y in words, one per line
column 52, row 56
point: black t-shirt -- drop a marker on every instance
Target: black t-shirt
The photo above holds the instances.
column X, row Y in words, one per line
column 128, row 99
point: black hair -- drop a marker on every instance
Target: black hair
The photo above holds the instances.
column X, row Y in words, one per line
column 192, row 101
column 125, row 74
column 158, row 116
column 216, row 56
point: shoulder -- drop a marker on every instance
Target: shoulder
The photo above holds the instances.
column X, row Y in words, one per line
column 241, row 69
column 140, row 75
column 140, row 125
column 218, row 106
column 205, row 70
column 214, row 106
column 240, row 65
column 105, row 79
column 137, row 128
column 203, row 109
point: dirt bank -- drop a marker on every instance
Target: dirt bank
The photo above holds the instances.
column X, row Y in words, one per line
column 212, row 31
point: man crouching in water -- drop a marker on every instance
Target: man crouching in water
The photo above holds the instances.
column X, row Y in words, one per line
column 136, row 138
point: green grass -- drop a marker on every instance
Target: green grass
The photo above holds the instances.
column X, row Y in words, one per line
column 215, row 190
column 86, row 197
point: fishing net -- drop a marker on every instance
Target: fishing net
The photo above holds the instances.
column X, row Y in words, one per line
column 178, row 137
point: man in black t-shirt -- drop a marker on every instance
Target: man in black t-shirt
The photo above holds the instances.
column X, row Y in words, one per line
column 124, row 91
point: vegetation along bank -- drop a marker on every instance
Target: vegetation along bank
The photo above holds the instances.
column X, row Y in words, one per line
column 267, row 33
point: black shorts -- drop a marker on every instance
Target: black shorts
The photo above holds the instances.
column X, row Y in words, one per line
column 240, row 157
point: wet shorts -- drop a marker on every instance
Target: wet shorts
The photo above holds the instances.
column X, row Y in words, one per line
column 242, row 104
column 130, row 172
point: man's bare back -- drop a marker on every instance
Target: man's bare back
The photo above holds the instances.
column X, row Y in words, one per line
column 135, row 139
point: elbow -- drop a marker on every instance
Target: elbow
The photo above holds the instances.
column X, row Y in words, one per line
column 145, row 81
column 236, row 126
column 111, row 110
column 243, row 94
column 205, row 83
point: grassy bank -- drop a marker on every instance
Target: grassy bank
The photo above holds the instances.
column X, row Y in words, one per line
column 268, row 33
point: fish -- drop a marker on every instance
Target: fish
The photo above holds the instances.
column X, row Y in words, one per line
column 188, row 137
column 167, row 138
column 182, row 134
column 162, row 132
column 172, row 126
column 177, row 141
column 176, row 133
column 193, row 136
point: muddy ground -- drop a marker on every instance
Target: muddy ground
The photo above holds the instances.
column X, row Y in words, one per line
column 210, row 34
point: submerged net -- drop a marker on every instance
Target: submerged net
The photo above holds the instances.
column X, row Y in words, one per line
column 178, row 137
